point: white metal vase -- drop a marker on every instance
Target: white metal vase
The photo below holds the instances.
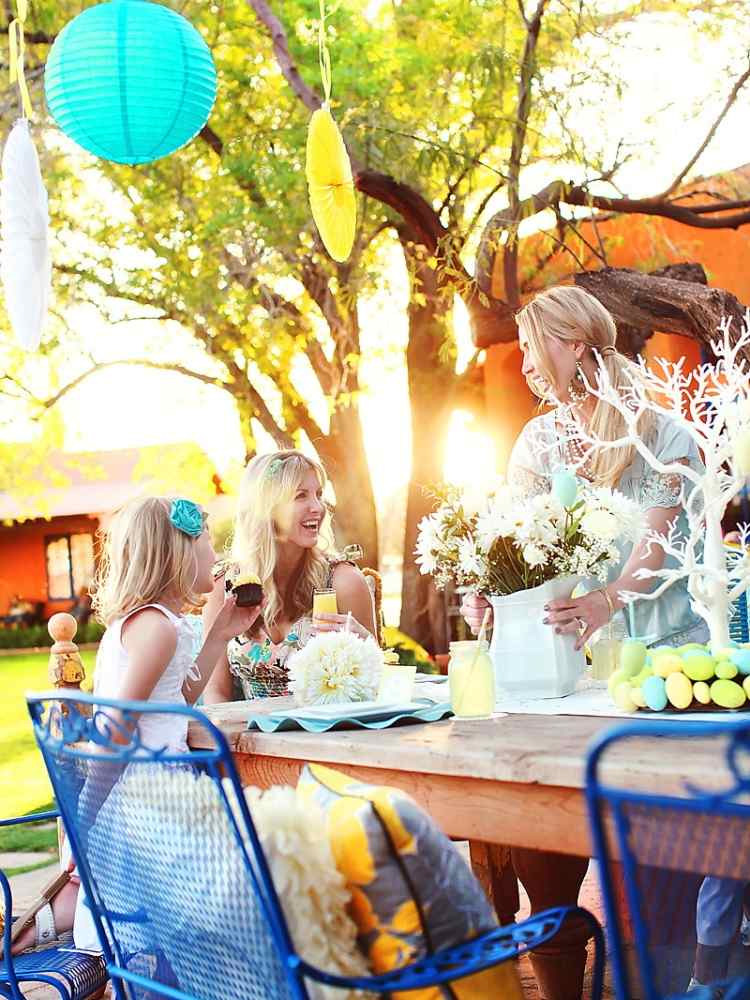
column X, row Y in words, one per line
column 529, row 658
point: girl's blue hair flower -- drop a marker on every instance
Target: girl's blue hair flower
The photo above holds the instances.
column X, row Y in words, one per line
column 187, row 517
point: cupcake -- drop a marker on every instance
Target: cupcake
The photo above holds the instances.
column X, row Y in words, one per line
column 247, row 589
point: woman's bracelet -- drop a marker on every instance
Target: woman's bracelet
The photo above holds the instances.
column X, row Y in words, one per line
column 608, row 599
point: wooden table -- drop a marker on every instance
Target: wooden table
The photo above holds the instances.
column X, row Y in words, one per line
column 515, row 779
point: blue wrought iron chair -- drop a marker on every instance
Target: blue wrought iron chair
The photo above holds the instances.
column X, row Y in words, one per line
column 667, row 840
column 177, row 881
column 75, row 975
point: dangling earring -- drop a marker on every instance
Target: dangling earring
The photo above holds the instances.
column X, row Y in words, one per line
column 577, row 386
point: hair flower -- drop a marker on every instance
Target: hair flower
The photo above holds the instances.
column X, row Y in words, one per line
column 273, row 468
column 187, row 517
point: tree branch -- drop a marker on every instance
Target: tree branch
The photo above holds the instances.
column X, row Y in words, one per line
column 739, row 84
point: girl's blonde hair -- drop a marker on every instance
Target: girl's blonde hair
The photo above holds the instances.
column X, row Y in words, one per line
column 573, row 315
column 142, row 558
column 270, row 481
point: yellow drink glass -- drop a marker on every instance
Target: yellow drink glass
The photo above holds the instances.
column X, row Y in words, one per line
column 325, row 603
column 471, row 680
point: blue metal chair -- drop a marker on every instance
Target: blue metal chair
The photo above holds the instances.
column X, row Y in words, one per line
column 177, row 881
column 667, row 842
column 74, row 974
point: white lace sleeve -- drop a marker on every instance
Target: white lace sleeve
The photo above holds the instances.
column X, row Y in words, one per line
column 529, row 466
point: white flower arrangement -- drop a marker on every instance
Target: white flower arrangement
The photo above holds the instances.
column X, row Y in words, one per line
column 335, row 667
column 510, row 543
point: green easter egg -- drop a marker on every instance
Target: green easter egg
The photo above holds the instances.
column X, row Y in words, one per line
column 698, row 666
column 679, row 690
column 725, row 670
column 702, row 692
column 746, row 686
column 624, row 699
column 632, row 656
column 667, row 663
column 641, row 677
column 617, row 677
column 727, row 694
column 691, row 645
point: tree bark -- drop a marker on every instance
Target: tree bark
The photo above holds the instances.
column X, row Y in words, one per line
column 431, row 380
column 654, row 302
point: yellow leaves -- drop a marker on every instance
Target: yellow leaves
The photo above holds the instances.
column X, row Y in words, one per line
column 330, row 185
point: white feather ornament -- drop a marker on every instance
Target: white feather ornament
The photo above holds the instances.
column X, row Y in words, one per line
column 25, row 268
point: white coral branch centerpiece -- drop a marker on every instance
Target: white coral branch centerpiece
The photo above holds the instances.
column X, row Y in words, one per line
column 335, row 667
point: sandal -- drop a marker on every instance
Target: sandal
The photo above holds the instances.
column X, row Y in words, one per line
column 40, row 914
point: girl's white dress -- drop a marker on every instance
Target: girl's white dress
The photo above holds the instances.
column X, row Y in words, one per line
column 156, row 731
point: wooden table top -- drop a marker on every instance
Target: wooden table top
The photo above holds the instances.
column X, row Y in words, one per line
column 521, row 749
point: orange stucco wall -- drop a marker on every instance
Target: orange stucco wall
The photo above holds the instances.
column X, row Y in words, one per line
column 634, row 242
column 22, row 558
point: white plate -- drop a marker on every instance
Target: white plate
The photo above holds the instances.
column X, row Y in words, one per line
column 348, row 710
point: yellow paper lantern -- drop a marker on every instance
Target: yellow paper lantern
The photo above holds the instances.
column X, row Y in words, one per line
column 331, row 185
column 329, row 172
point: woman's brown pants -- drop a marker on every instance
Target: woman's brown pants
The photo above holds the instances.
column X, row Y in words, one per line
column 554, row 880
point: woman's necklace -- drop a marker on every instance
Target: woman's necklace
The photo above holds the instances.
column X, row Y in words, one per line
column 576, row 454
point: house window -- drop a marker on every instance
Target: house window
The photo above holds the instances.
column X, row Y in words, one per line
column 70, row 565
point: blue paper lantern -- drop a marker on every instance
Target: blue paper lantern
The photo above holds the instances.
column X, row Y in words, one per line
column 130, row 81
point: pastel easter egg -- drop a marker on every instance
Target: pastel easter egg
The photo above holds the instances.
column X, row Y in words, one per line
column 655, row 693
column 746, row 686
column 679, row 690
column 637, row 695
column 632, row 656
column 724, row 653
column 726, row 670
column 702, row 692
column 615, row 678
column 667, row 663
column 638, row 680
column 565, row 487
column 741, row 659
column 624, row 699
column 691, row 645
column 727, row 694
column 698, row 666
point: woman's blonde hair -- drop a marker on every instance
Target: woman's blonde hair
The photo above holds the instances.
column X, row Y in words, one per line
column 142, row 558
column 269, row 482
column 573, row 315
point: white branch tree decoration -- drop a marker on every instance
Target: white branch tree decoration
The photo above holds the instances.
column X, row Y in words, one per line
column 712, row 404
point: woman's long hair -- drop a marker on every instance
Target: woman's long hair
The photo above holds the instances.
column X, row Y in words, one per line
column 268, row 482
column 573, row 315
column 143, row 558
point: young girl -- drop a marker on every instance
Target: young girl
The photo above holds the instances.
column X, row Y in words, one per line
column 280, row 536
column 156, row 563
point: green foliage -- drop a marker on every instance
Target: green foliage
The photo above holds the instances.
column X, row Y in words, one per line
column 16, row 637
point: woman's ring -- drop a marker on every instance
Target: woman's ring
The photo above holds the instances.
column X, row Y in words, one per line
column 580, row 623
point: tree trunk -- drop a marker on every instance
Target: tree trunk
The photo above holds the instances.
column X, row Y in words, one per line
column 431, row 379
column 342, row 452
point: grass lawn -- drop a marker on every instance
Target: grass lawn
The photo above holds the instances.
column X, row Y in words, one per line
column 24, row 787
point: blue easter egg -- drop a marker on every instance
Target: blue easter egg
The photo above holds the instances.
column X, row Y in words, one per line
column 655, row 693
column 741, row 659
column 565, row 487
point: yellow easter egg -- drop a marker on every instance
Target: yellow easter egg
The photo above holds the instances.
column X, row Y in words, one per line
column 727, row 694
column 623, row 697
column 726, row 670
column 702, row 692
column 679, row 690
column 637, row 695
column 746, row 685
column 665, row 664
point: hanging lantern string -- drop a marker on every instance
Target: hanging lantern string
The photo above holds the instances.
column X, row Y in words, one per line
column 16, row 50
column 324, row 56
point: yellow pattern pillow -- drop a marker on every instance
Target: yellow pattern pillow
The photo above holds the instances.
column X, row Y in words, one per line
column 412, row 892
